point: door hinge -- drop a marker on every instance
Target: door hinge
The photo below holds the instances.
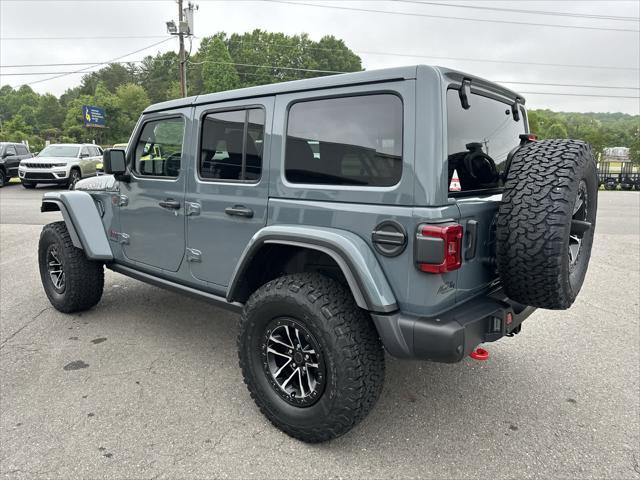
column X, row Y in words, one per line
column 194, row 255
column 191, row 208
column 123, row 201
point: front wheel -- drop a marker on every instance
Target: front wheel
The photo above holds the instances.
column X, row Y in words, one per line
column 29, row 186
column 74, row 177
column 311, row 359
column 72, row 282
column 3, row 178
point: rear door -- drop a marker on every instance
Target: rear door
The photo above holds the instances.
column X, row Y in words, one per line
column 95, row 158
column 490, row 124
column 228, row 187
column 86, row 162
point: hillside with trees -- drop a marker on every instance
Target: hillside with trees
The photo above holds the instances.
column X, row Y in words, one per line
column 224, row 62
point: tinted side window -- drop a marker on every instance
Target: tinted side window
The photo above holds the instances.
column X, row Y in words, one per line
column 21, row 150
column 345, row 141
column 158, row 151
column 232, row 145
column 94, row 151
column 11, row 150
column 480, row 136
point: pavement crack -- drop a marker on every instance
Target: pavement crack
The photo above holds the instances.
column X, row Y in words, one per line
column 33, row 319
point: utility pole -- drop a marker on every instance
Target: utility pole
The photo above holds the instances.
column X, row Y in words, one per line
column 183, row 29
column 183, row 72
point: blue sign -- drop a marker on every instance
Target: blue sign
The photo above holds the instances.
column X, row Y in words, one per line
column 93, row 116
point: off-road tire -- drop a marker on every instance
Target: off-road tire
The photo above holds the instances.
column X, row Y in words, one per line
column 609, row 186
column 84, row 279
column 351, row 348
column 534, row 222
column 29, row 186
column 3, row 178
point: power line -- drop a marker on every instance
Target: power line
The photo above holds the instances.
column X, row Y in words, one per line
column 517, row 10
column 578, row 95
column 514, row 62
column 365, row 52
column 275, row 67
column 395, row 54
column 567, row 85
column 100, row 63
column 447, row 17
column 101, row 37
column 313, row 70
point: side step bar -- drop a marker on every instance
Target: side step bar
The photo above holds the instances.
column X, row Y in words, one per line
column 176, row 287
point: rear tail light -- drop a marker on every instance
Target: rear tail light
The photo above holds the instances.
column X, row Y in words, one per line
column 438, row 248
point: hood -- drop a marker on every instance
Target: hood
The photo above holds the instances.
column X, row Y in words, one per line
column 102, row 183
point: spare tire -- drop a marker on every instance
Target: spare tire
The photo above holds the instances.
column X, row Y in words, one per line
column 546, row 223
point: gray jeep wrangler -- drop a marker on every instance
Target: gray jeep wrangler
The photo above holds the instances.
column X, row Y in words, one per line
column 407, row 210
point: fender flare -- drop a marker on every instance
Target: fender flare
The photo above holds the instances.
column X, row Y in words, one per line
column 83, row 221
column 358, row 263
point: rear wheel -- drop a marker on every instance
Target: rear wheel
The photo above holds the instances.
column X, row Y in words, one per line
column 546, row 223
column 71, row 281
column 3, row 178
column 312, row 360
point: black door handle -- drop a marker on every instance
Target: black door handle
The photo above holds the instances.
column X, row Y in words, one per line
column 170, row 204
column 239, row 211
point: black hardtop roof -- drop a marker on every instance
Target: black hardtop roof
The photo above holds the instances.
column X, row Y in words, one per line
column 343, row 79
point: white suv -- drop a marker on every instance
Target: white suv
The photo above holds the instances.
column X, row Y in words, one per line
column 61, row 163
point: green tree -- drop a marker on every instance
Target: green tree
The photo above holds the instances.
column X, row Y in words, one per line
column 157, row 75
column 131, row 101
column 218, row 73
column 557, row 130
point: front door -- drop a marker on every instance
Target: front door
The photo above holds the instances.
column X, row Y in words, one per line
column 11, row 161
column 228, row 191
column 152, row 202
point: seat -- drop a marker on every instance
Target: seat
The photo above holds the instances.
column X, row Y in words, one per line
column 299, row 160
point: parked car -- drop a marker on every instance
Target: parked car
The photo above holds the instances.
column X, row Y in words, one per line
column 321, row 210
column 10, row 156
column 61, row 163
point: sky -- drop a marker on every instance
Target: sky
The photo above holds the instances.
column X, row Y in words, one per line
column 597, row 45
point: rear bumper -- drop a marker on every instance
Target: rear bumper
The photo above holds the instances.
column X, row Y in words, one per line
column 456, row 333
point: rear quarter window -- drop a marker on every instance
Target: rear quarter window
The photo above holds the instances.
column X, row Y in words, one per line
column 345, row 141
column 484, row 133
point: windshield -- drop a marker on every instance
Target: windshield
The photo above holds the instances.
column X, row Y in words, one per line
column 479, row 140
column 59, row 151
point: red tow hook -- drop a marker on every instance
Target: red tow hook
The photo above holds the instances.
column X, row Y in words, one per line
column 479, row 354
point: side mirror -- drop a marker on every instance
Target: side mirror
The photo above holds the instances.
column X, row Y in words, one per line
column 114, row 161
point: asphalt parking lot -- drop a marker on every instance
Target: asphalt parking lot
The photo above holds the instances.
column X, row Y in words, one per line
column 146, row 385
